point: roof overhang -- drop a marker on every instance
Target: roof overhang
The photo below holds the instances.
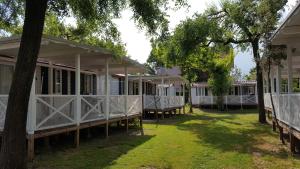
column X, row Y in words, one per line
column 155, row 79
column 289, row 30
column 63, row 52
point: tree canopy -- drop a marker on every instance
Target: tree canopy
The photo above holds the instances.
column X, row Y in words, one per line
column 243, row 23
column 93, row 22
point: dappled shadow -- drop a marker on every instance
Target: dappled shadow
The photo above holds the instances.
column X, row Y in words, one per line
column 93, row 152
column 224, row 131
column 213, row 131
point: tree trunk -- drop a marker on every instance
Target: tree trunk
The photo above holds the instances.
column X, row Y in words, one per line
column 190, row 96
column 13, row 150
column 220, row 103
column 260, row 87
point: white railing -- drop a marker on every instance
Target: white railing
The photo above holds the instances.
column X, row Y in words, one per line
column 228, row 100
column 54, row 111
column 162, row 102
column 117, row 106
column 92, row 107
column 134, row 105
column 3, row 103
column 287, row 108
column 152, row 102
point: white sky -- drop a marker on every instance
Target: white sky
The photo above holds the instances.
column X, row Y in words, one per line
column 138, row 44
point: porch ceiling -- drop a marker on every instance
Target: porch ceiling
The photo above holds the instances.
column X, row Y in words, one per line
column 289, row 30
column 64, row 52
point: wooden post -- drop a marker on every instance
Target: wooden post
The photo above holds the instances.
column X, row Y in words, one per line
column 141, row 125
column 30, row 147
column 281, row 134
column 78, row 101
column 107, row 96
column 273, row 125
column 292, row 141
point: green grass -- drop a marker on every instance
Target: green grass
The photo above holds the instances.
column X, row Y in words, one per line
column 203, row 140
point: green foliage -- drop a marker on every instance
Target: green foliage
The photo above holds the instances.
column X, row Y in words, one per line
column 236, row 73
column 220, row 79
column 251, row 75
column 93, row 19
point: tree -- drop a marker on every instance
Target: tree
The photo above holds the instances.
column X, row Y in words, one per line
column 147, row 14
column 240, row 22
column 251, row 75
column 236, row 73
column 219, row 77
column 273, row 55
column 175, row 50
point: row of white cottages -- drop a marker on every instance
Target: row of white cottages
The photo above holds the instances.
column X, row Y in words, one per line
column 241, row 94
column 78, row 86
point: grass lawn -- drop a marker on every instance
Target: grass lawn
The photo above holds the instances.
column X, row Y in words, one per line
column 232, row 139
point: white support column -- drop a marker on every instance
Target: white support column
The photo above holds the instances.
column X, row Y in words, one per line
column 140, row 85
column 78, row 97
column 290, row 77
column 50, row 82
column 241, row 96
column 98, row 83
column 107, row 90
column 278, row 86
column 290, row 69
column 126, row 89
column 272, row 81
column 278, row 79
column 141, row 92
column 31, row 118
column 161, row 89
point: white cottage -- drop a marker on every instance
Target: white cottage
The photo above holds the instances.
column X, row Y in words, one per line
column 75, row 86
column 241, row 93
column 285, row 77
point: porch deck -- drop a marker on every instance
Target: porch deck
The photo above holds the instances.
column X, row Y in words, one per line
column 287, row 113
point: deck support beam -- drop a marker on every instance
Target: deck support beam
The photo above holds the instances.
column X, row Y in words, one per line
column 30, row 147
column 292, row 142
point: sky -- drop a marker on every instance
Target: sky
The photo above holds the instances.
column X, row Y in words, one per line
column 138, row 44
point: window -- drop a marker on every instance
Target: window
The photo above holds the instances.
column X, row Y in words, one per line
column 57, row 81
column 275, row 85
column 206, row 91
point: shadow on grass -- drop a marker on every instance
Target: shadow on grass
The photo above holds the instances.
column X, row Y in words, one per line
column 97, row 152
column 224, row 131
